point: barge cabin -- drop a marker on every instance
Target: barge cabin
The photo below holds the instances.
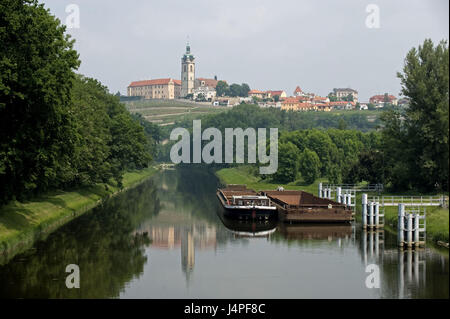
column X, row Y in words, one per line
column 240, row 202
column 300, row 206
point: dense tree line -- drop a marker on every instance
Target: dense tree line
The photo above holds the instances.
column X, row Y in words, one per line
column 246, row 115
column 57, row 129
column 310, row 154
column 223, row 89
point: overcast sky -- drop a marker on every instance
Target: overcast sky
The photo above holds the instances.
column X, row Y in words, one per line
column 271, row 45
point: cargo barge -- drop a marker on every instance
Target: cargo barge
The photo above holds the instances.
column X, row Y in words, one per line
column 242, row 203
column 300, row 206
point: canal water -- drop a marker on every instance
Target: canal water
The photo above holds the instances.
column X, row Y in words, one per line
column 167, row 238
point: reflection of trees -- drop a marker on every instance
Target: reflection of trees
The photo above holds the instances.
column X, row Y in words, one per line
column 191, row 190
column 100, row 242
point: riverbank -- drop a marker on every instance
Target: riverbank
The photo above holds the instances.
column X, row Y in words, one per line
column 437, row 221
column 21, row 224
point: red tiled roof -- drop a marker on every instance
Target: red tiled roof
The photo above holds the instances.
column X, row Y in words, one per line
column 298, row 90
column 275, row 92
column 255, row 92
column 380, row 98
column 154, row 82
column 209, row 82
column 290, row 100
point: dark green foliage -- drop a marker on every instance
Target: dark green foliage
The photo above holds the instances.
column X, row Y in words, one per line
column 416, row 142
column 222, row 89
column 288, row 163
column 309, row 165
column 58, row 130
column 37, row 133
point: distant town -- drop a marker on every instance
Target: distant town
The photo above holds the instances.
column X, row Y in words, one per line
column 211, row 91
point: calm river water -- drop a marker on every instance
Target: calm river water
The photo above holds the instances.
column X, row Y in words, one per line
column 168, row 239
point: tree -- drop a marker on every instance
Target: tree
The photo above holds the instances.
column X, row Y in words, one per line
column 309, row 166
column 417, row 141
column 288, row 163
column 235, row 90
column 332, row 97
column 37, row 133
column 245, row 88
column 222, row 88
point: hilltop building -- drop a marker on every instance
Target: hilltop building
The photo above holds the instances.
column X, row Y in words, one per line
column 167, row 88
column 344, row 92
column 187, row 72
column 380, row 100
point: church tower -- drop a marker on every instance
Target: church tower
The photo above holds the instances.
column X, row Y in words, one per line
column 187, row 72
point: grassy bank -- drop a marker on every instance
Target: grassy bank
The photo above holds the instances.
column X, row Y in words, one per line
column 22, row 223
column 437, row 217
column 243, row 175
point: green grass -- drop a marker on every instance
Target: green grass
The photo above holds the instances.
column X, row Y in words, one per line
column 164, row 112
column 437, row 218
column 437, row 222
column 243, row 175
column 21, row 223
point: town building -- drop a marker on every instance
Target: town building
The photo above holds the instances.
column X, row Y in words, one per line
column 257, row 93
column 208, row 93
column 202, row 82
column 279, row 93
column 341, row 93
column 167, row 88
column 320, row 100
column 298, row 91
column 380, row 100
column 342, row 105
column 187, row 73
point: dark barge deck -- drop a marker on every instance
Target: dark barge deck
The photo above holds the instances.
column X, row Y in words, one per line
column 243, row 203
column 300, row 206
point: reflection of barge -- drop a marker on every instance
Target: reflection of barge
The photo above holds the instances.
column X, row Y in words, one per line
column 249, row 228
column 240, row 202
column 314, row 231
column 299, row 206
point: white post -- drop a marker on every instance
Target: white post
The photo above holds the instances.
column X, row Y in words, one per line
column 371, row 214
column 364, row 210
column 377, row 243
column 329, row 193
column 400, row 224
column 409, row 230
column 338, row 194
column 377, row 214
column 371, row 243
column 416, row 229
column 320, row 190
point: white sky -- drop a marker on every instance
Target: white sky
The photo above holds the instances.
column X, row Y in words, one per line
column 318, row 45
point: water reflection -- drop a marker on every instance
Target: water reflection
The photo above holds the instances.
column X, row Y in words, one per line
column 248, row 228
column 404, row 273
column 101, row 243
column 168, row 238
